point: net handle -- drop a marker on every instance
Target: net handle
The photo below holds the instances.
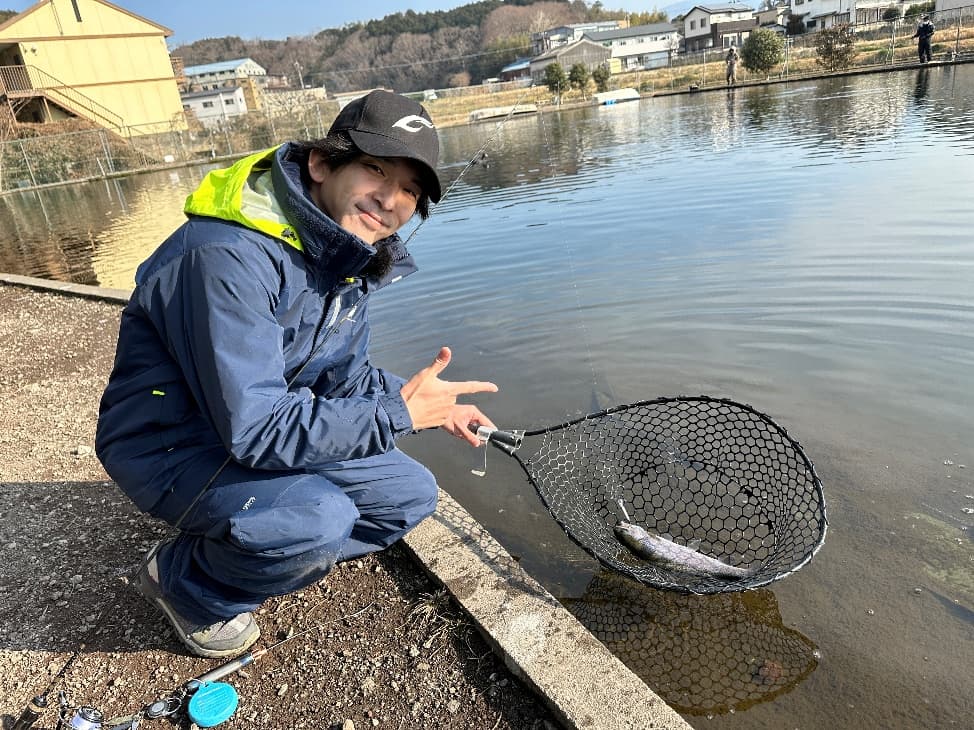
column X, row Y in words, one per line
column 506, row 441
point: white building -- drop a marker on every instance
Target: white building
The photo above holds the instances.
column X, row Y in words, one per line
column 697, row 22
column 872, row 11
column 214, row 106
column 776, row 15
column 643, row 46
column 222, row 73
column 968, row 5
column 820, row 14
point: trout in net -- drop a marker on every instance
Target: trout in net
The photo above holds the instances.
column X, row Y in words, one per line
column 658, row 549
column 713, row 473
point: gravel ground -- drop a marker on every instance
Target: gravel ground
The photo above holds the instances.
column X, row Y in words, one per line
column 384, row 645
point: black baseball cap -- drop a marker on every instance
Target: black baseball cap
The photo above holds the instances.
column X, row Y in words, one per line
column 383, row 124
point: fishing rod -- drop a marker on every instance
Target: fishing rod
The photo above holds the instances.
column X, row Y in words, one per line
column 89, row 718
column 477, row 157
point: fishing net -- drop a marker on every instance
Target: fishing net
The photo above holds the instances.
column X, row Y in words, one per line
column 708, row 473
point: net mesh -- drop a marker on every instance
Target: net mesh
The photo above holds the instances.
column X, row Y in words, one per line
column 708, row 473
column 724, row 653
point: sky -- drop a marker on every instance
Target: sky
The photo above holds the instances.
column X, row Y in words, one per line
column 191, row 20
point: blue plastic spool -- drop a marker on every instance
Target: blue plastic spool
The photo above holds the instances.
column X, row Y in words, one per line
column 212, row 704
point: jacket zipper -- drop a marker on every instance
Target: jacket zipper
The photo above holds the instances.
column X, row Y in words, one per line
column 330, row 328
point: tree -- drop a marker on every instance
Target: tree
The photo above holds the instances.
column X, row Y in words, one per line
column 597, row 11
column 795, row 25
column 460, row 78
column 836, row 47
column 601, row 78
column 762, row 51
column 892, row 13
column 648, row 18
column 498, row 54
column 920, row 9
column 579, row 77
column 555, row 78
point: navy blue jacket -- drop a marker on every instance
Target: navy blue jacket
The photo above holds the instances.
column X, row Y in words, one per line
column 248, row 331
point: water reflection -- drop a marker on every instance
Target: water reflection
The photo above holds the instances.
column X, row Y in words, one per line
column 922, row 85
column 761, row 106
column 93, row 233
column 805, row 248
column 98, row 232
column 704, row 655
column 36, row 242
column 951, row 104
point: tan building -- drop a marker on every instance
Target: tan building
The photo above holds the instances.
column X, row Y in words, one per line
column 89, row 59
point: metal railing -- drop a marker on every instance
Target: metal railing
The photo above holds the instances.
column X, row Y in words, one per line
column 31, row 81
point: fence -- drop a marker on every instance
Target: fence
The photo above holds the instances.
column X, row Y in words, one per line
column 96, row 153
column 878, row 43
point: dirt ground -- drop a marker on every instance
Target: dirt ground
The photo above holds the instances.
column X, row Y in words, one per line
column 384, row 646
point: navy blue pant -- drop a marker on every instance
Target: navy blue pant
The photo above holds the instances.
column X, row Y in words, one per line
column 256, row 534
column 923, row 48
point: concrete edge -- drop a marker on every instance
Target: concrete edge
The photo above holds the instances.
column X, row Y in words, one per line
column 60, row 287
column 581, row 681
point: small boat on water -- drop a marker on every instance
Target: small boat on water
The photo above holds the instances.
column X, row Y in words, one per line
column 495, row 112
column 615, row 96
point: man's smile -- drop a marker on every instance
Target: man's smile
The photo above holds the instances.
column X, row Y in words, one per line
column 372, row 220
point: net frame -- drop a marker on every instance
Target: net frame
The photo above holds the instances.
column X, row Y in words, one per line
column 705, row 469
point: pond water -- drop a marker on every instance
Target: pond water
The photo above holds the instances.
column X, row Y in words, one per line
column 806, row 248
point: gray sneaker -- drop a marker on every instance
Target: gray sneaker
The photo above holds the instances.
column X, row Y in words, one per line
column 219, row 640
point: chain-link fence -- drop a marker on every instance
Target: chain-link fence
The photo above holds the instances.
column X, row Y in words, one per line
column 878, row 43
column 96, row 153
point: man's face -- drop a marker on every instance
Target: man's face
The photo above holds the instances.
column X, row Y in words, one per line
column 372, row 197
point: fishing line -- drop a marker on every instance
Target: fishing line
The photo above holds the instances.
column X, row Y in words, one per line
column 478, row 155
column 710, row 471
column 571, row 267
column 32, row 711
column 615, row 483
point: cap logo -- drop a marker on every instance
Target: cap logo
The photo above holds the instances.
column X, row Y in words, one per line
column 413, row 123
